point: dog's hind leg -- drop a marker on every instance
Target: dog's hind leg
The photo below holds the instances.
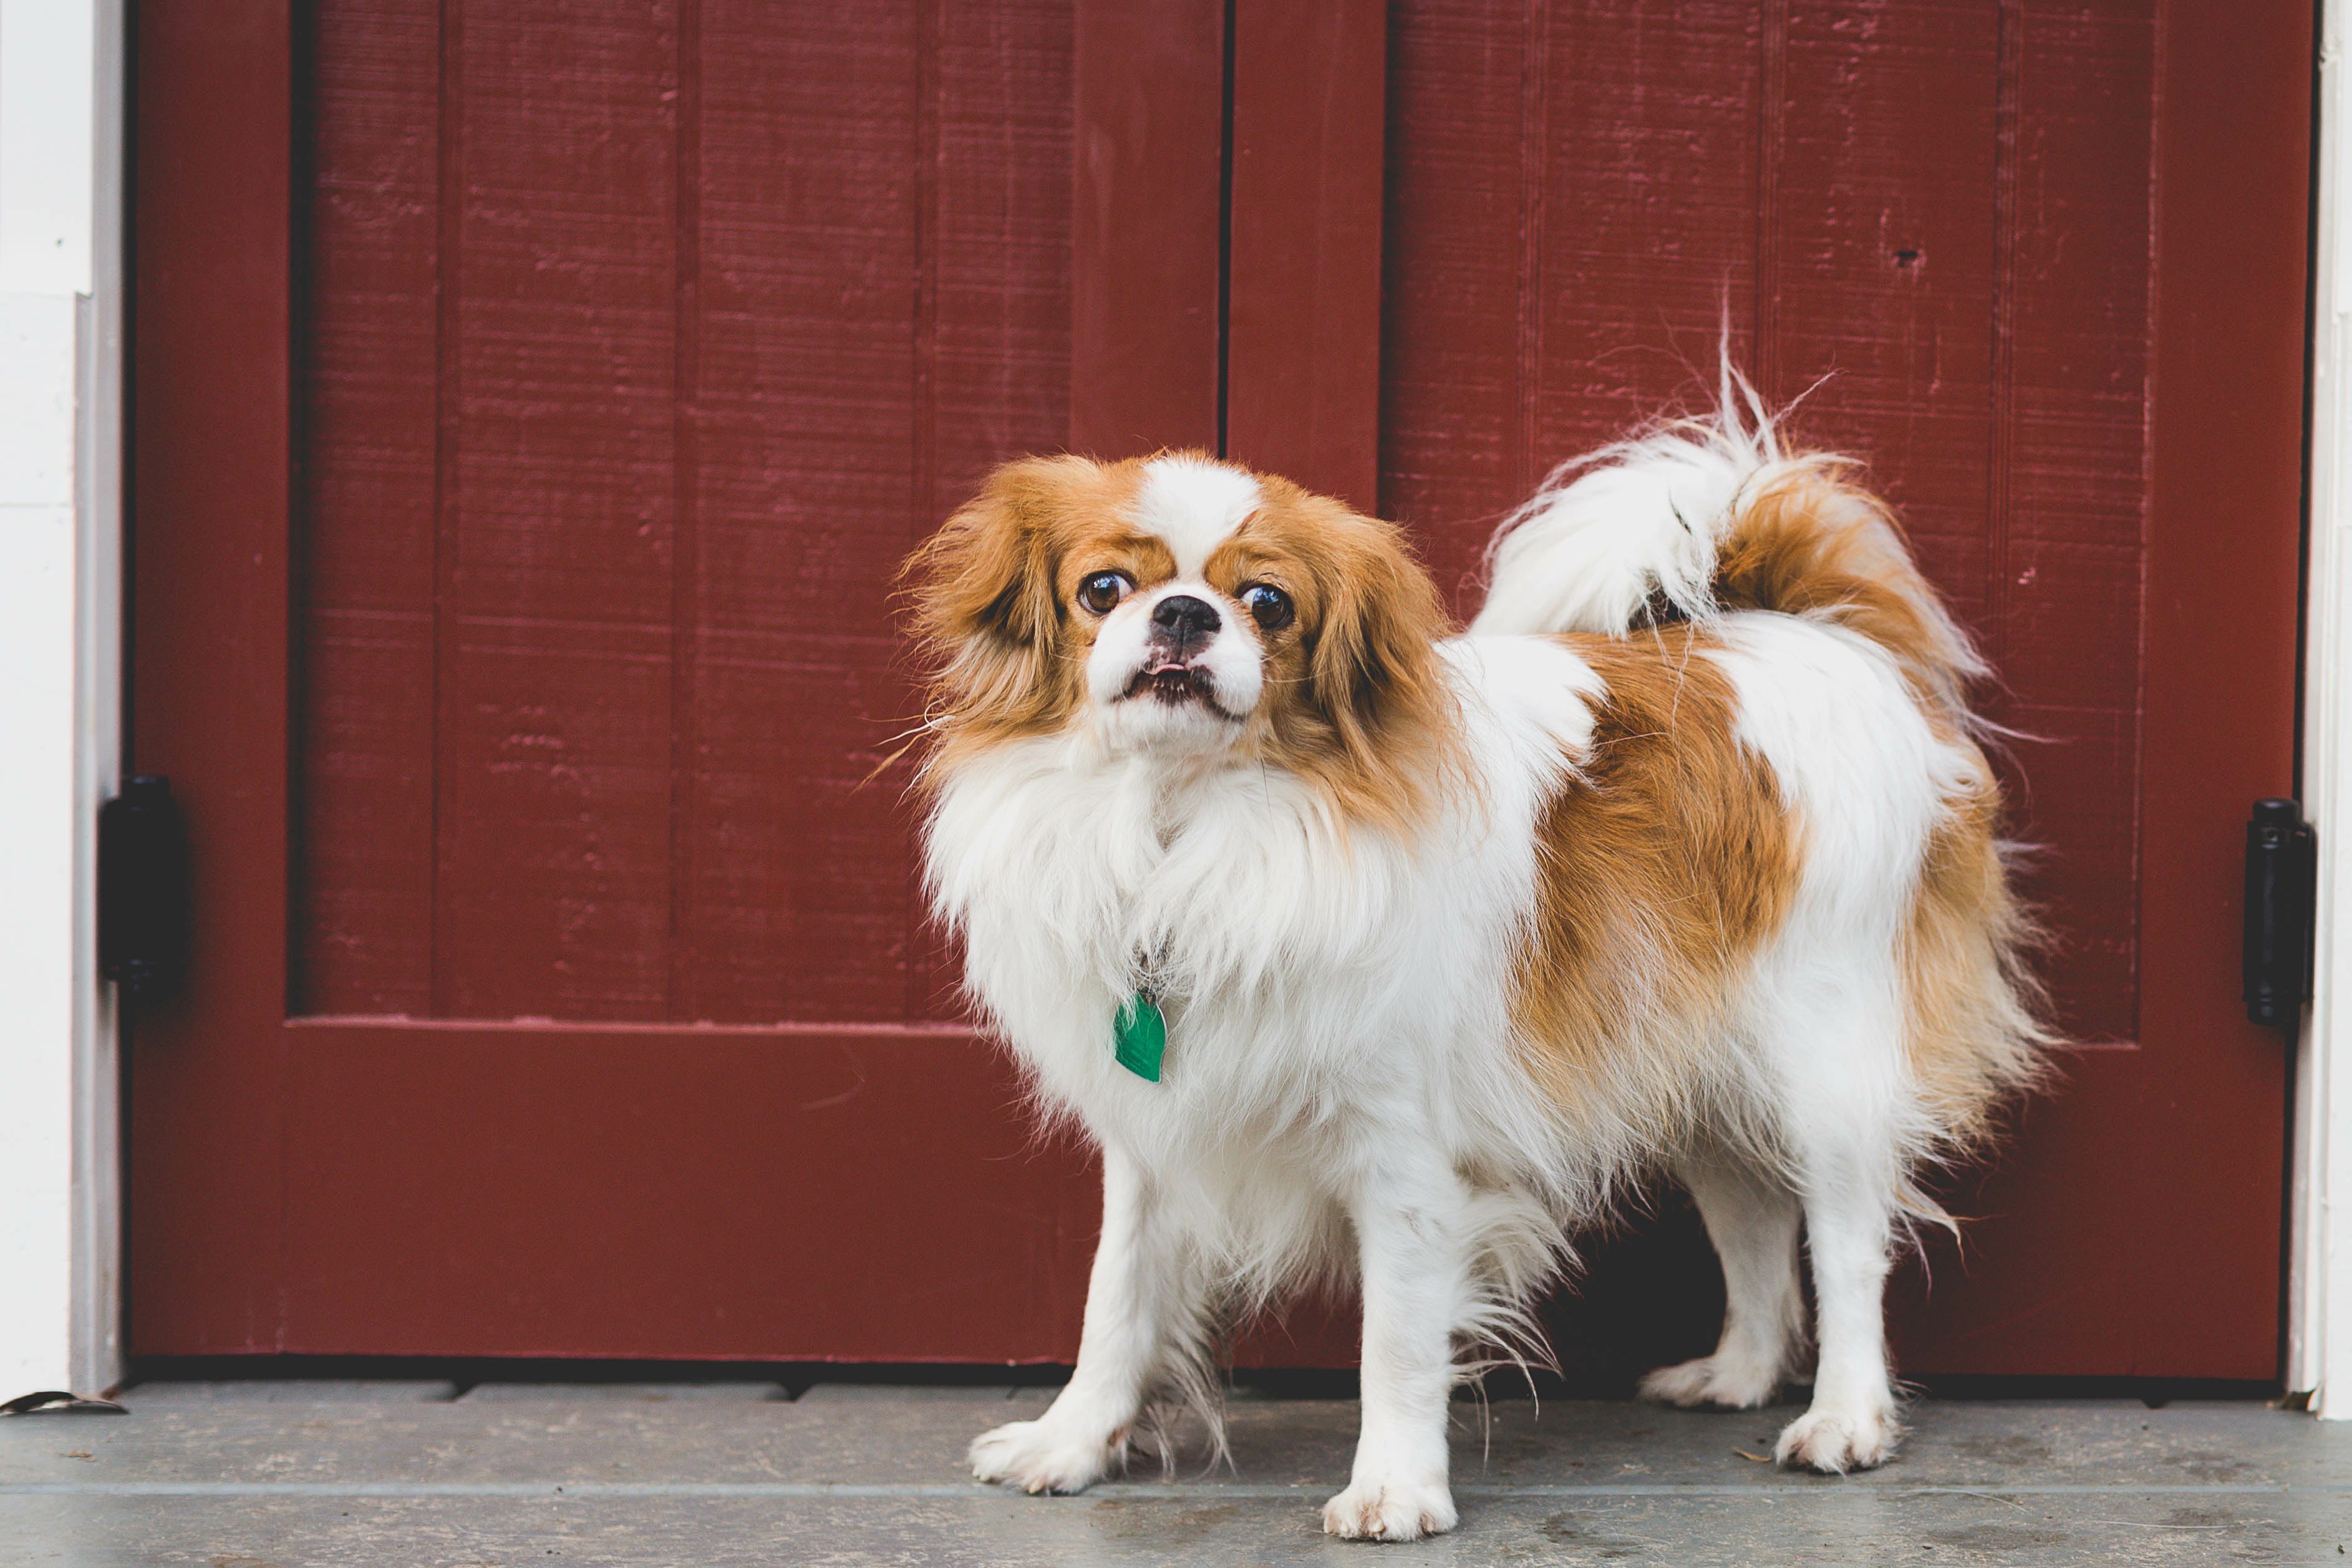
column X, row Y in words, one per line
column 1752, row 1218
column 1843, row 1123
column 1146, row 1311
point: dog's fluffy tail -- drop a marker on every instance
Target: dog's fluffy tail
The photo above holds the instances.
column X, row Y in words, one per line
column 1699, row 518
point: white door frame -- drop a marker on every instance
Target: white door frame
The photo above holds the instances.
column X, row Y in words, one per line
column 2319, row 1234
column 63, row 115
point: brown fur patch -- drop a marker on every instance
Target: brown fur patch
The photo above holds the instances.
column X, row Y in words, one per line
column 1356, row 701
column 1812, row 543
column 1667, row 861
column 990, row 613
column 1973, row 1035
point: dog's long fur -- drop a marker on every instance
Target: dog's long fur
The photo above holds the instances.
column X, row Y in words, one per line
column 1683, row 859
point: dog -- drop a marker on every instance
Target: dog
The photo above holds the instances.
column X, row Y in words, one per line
column 1366, row 948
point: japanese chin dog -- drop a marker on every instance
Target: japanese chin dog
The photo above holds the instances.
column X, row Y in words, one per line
column 1370, row 949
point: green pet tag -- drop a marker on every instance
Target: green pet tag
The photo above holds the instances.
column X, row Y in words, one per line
column 1139, row 1036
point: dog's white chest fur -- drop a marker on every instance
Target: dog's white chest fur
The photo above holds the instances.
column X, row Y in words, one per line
column 1322, row 983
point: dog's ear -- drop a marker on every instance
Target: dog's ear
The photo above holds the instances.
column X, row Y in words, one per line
column 1374, row 676
column 985, row 612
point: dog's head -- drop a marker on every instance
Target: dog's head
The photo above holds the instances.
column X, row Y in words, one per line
column 1187, row 607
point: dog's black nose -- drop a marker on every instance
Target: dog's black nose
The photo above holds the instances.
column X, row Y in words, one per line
column 1184, row 617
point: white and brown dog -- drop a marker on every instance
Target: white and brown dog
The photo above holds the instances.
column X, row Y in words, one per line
column 1366, row 948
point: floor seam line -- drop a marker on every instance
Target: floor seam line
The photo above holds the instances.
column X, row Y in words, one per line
column 851, row 1492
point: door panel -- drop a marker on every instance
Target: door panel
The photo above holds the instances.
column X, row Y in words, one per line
column 626, row 400
column 793, row 1194
column 519, row 507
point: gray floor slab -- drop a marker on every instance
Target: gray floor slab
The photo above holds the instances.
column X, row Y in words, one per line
column 983, row 1399
column 229, row 1479
column 635, row 1393
column 297, row 1391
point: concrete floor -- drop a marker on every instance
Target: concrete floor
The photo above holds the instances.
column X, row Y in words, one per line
column 257, row 1475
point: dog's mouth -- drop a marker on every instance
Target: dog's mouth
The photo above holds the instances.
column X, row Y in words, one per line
column 1173, row 686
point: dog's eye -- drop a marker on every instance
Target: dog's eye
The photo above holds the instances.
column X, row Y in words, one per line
column 1102, row 592
column 1267, row 604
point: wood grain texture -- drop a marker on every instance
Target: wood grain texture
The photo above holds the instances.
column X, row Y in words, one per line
column 211, row 584
column 2192, row 367
column 2060, row 612
column 2064, row 560
column 868, row 1212
column 363, row 929
column 1649, row 207
column 1450, row 445
column 796, row 895
column 1303, row 264
column 2218, row 709
column 558, row 519
column 1146, row 312
column 642, row 345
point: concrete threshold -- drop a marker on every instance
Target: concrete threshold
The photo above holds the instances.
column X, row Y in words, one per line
column 252, row 1476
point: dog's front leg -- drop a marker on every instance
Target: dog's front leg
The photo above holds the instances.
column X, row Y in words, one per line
column 1410, row 1228
column 1143, row 1306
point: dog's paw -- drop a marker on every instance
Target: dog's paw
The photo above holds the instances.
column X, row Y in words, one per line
column 1039, row 1456
column 1710, row 1384
column 1390, row 1511
column 1834, row 1441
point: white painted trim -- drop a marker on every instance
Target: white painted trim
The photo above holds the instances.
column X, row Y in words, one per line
column 2319, row 1235
column 63, row 117
column 95, row 1334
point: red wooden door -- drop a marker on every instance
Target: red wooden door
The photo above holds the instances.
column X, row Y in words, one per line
column 533, row 400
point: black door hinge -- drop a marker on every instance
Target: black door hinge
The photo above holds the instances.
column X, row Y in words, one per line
column 2282, row 895
column 144, row 915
